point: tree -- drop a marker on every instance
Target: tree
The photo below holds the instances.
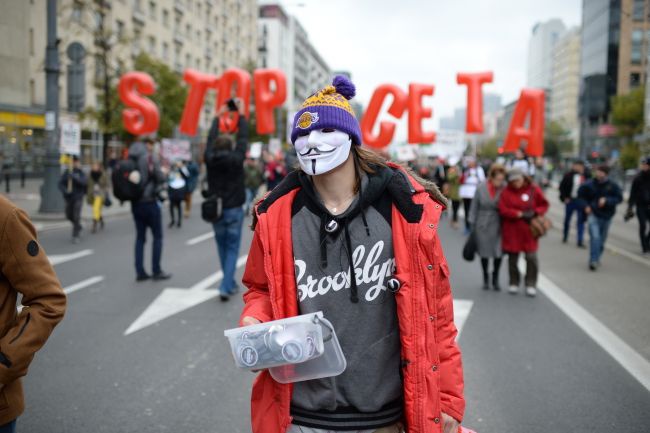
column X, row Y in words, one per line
column 630, row 156
column 557, row 140
column 627, row 112
column 489, row 149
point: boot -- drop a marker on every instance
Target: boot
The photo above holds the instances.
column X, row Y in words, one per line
column 486, row 285
column 101, row 223
column 495, row 281
column 94, row 229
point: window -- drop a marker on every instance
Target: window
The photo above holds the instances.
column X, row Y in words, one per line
column 152, row 10
column 152, row 46
column 77, row 10
column 635, row 80
column 119, row 29
column 165, row 51
column 31, row 42
column 188, row 61
column 198, row 64
column 32, row 91
column 638, row 11
column 198, row 36
column 165, row 17
column 637, row 47
column 188, row 31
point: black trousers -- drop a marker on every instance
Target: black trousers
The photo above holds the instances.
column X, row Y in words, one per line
column 643, row 215
column 532, row 268
column 467, row 203
column 455, row 205
column 73, row 214
column 175, row 207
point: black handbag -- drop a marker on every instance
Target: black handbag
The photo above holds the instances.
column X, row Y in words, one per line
column 107, row 200
column 470, row 247
column 212, row 206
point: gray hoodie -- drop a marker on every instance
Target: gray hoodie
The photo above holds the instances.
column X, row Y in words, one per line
column 154, row 180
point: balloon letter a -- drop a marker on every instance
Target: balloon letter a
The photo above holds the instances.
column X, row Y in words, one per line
column 530, row 102
column 142, row 115
column 474, row 82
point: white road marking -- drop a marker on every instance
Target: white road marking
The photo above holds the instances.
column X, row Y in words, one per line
column 57, row 259
column 175, row 300
column 623, row 353
column 83, row 284
column 199, row 239
column 462, row 307
column 637, row 258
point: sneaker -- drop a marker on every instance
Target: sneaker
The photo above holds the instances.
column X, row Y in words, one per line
column 76, row 240
column 224, row 298
column 593, row 266
column 531, row 291
column 143, row 277
column 513, row 290
column 161, row 276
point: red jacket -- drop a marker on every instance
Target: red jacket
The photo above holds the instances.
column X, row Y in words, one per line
column 516, row 236
column 432, row 370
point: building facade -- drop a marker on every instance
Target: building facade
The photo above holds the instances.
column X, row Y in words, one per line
column 541, row 44
column 565, row 84
column 208, row 35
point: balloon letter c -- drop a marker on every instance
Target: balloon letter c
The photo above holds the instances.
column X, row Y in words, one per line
column 386, row 129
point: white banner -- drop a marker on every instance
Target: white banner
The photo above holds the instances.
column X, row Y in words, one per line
column 449, row 145
column 255, row 150
column 70, row 138
column 175, row 150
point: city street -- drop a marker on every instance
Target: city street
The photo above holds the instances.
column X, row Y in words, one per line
column 151, row 357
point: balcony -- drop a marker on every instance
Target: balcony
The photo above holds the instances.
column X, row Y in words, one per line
column 178, row 37
column 139, row 16
column 179, row 6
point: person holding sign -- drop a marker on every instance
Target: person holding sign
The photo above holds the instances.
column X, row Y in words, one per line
column 355, row 237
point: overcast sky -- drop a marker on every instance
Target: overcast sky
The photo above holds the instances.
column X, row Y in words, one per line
column 429, row 41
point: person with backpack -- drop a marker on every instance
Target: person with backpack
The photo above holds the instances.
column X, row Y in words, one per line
column 148, row 181
column 640, row 198
column 73, row 184
column 96, row 194
column 176, row 192
column 355, row 237
column 224, row 161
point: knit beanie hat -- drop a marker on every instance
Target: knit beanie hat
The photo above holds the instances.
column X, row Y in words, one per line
column 328, row 108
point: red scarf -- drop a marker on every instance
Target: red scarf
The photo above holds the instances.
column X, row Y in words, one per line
column 491, row 189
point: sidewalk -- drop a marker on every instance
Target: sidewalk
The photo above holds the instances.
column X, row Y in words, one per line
column 29, row 199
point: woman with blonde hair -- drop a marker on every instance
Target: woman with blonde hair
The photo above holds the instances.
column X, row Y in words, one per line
column 96, row 193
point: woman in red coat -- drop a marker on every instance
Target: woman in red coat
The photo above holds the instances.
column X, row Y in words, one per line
column 521, row 201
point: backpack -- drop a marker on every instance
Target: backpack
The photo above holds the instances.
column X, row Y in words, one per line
column 123, row 188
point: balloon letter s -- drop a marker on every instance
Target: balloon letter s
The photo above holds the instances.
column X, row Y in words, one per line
column 142, row 115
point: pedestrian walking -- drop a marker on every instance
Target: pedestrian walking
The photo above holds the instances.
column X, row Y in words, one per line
column 522, row 163
column 73, row 184
column 253, row 178
column 601, row 195
column 96, row 193
column 344, row 223
column 224, row 160
column 192, row 181
column 25, row 271
column 176, row 192
column 274, row 171
column 520, row 202
column 640, row 198
column 453, row 194
column 572, row 204
column 146, row 210
column 472, row 176
column 486, row 222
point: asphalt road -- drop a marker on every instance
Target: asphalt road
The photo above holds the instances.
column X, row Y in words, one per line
column 528, row 366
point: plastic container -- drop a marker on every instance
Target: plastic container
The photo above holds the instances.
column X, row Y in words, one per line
column 287, row 341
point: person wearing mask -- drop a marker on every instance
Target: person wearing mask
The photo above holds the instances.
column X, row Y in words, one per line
column 471, row 178
column 486, row 222
column 253, row 178
column 520, row 202
column 25, row 274
column 176, row 192
column 356, row 238
column 569, row 196
column 96, row 194
column 73, row 184
column 146, row 210
column 453, row 188
column 224, row 161
column 640, row 198
column 192, row 181
column 601, row 196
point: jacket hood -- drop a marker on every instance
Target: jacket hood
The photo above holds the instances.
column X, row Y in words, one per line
column 137, row 149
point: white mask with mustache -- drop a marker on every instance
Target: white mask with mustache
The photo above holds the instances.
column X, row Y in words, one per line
column 320, row 152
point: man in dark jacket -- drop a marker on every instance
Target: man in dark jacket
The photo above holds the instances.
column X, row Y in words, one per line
column 569, row 196
column 146, row 210
column 224, row 160
column 601, row 196
column 25, row 271
column 73, row 184
column 640, row 198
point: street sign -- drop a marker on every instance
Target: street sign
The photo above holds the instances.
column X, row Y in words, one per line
column 70, row 138
column 50, row 120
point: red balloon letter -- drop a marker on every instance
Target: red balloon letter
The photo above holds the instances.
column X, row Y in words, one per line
column 417, row 113
column 474, row 98
column 386, row 129
column 230, row 77
column 530, row 102
column 199, row 84
column 142, row 116
column 266, row 100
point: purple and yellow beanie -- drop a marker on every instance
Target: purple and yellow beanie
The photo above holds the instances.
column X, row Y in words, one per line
column 328, row 108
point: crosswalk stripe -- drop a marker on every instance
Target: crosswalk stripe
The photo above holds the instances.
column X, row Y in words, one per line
column 199, row 239
column 83, row 284
column 57, row 259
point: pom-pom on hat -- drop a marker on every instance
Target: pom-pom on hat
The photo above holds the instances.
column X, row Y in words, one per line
column 328, row 108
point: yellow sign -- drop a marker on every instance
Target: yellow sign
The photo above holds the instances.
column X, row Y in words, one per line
column 22, row 119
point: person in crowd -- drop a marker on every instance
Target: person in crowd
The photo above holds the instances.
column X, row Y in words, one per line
column 453, row 188
column 96, row 194
column 177, row 188
column 73, row 184
column 520, row 202
column 472, row 176
column 147, row 209
column 253, row 178
column 640, row 198
column 274, row 170
column 224, row 161
column 572, row 204
column 601, row 195
column 25, row 272
column 191, row 183
column 522, row 163
column 345, row 222
column 541, row 173
column 486, row 222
